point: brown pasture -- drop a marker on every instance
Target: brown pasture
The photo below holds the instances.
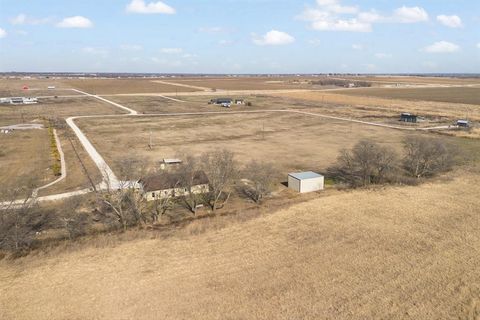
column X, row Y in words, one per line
column 462, row 95
column 394, row 253
column 292, row 142
column 25, row 159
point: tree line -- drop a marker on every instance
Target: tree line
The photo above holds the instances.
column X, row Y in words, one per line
column 369, row 163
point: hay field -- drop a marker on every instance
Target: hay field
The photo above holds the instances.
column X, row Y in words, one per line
column 374, row 106
column 395, row 253
column 114, row 86
column 292, row 142
column 462, row 95
column 25, row 159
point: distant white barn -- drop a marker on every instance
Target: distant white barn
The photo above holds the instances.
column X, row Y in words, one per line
column 304, row 182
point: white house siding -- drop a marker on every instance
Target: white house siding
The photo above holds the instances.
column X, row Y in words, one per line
column 177, row 192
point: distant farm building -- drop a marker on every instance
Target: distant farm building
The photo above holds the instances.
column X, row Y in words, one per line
column 463, row 123
column 166, row 163
column 408, row 117
column 239, row 101
column 224, row 102
column 51, row 87
column 304, row 182
column 19, row 100
column 168, row 184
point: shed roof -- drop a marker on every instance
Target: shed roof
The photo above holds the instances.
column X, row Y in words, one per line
column 170, row 180
column 305, row 175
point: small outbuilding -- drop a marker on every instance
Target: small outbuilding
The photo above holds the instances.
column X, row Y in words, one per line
column 304, row 182
column 166, row 163
column 463, row 123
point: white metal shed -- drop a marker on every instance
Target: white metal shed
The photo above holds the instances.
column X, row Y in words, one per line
column 304, row 182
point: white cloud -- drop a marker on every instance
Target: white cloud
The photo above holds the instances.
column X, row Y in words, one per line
column 410, row 14
column 273, row 38
column 75, row 22
column 382, row 55
column 330, row 15
column 478, row 45
column 22, row 19
column 357, row 47
column 171, row 50
column 352, row 25
column 336, row 7
column 96, row 51
column 3, row 33
column 139, row 6
column 450, row 21
column 442, row 47
column 131, row 47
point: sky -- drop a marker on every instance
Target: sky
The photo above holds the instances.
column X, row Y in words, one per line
column 240, row 36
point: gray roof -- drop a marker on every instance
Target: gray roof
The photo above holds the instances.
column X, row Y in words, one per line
column 305, row 175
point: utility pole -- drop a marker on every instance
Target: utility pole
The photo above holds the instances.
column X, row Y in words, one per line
column 150, row 143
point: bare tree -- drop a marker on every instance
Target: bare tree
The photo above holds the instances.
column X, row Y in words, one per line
column 74, row 222
column 426, row 156
column 21, row 220
column 221, row 170
column 367, row 163
column 125, row 200
column 187, row 173
column 261, row 179
column 161, row 206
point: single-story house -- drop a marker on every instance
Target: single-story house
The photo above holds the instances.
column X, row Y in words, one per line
column 169, row 184
column 222, row 101
column 23, row 100
column 463, row 123
column 239, row 101
column 408, row 117
column 304, row 182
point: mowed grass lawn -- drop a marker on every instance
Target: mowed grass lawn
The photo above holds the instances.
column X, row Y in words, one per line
column 464, row 95
column 395, row 253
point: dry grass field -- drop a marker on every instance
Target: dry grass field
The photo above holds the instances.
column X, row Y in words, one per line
column 417, row 80
column 292, row 142
column 37, row 87
column 113, row 86
column 76, row 178
column 245, row 83
column 394, row 253
column 25, row 159
column 361, row 106
column 57, row 108
column 463, row 95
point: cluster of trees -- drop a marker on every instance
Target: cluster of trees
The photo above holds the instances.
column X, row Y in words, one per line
column 369, row 163
column 127, row 207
